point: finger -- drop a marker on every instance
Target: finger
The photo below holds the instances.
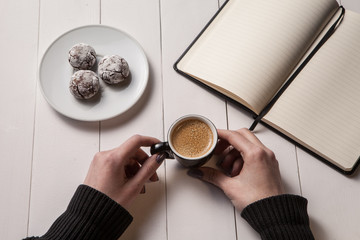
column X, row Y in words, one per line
column 250, row 136
column 131, row 169
column 130, row 147
column 140, row 156
column 137, row 162
column 154, row 178
column 236, row 167
column 221, row 146
column 148, row 169
column 222, row 155
column 237, row 140
column 228, row 162
column 210, row 175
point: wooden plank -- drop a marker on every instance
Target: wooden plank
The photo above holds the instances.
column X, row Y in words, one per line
column 196, row 210
column 140, row 19
column 352, row 5
column 333, row 199
column 18, row 46
column 221, row 2
column 63, row 148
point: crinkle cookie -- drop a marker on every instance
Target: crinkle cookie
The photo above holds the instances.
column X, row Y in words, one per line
column 84, row 84
column 113, row 69
column 82, row 56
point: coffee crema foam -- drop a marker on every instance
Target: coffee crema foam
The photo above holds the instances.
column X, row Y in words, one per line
column 192, row 138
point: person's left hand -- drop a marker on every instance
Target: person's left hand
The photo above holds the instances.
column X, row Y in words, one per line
column 121, row 173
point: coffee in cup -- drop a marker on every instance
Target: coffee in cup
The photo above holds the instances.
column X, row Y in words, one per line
column 192, row 138
column 191, row 141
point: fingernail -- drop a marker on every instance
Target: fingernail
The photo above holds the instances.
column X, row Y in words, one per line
column 142, row 190
column 160, row 158
column 196, row 173
column 157, row 179
column 154, row 178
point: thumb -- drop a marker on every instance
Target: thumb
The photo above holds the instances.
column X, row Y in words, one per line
column 148, row 169
column 210, row 175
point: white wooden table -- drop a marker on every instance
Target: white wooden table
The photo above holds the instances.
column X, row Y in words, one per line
column 44, row 156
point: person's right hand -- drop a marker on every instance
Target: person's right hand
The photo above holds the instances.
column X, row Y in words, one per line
column 121, row 173
column 251, row 169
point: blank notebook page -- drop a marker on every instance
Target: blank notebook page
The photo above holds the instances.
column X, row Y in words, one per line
column 255, row 44
column 322, row 106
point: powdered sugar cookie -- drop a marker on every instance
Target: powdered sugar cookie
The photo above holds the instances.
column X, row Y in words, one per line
column 113, row 69
column 84, row 84
column 82, row 56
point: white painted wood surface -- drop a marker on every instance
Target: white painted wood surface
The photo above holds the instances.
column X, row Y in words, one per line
column 45, row 156
column 19, row 39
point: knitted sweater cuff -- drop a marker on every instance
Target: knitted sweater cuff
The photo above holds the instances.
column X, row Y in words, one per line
column 279, row 217
column 90, row 215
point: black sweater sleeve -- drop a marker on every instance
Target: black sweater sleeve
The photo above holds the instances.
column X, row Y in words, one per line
column 90, row 215
column 93, row 215
column 279, row 217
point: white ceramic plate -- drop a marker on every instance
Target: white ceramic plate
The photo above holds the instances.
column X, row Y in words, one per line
column 55, row 73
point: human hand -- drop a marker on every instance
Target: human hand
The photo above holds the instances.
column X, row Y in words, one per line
column 121, row 173
column 252, row 171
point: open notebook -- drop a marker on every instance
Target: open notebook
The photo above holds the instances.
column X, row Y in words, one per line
column 294, row 64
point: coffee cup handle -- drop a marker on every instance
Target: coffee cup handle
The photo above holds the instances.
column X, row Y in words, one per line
column 162, row 147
